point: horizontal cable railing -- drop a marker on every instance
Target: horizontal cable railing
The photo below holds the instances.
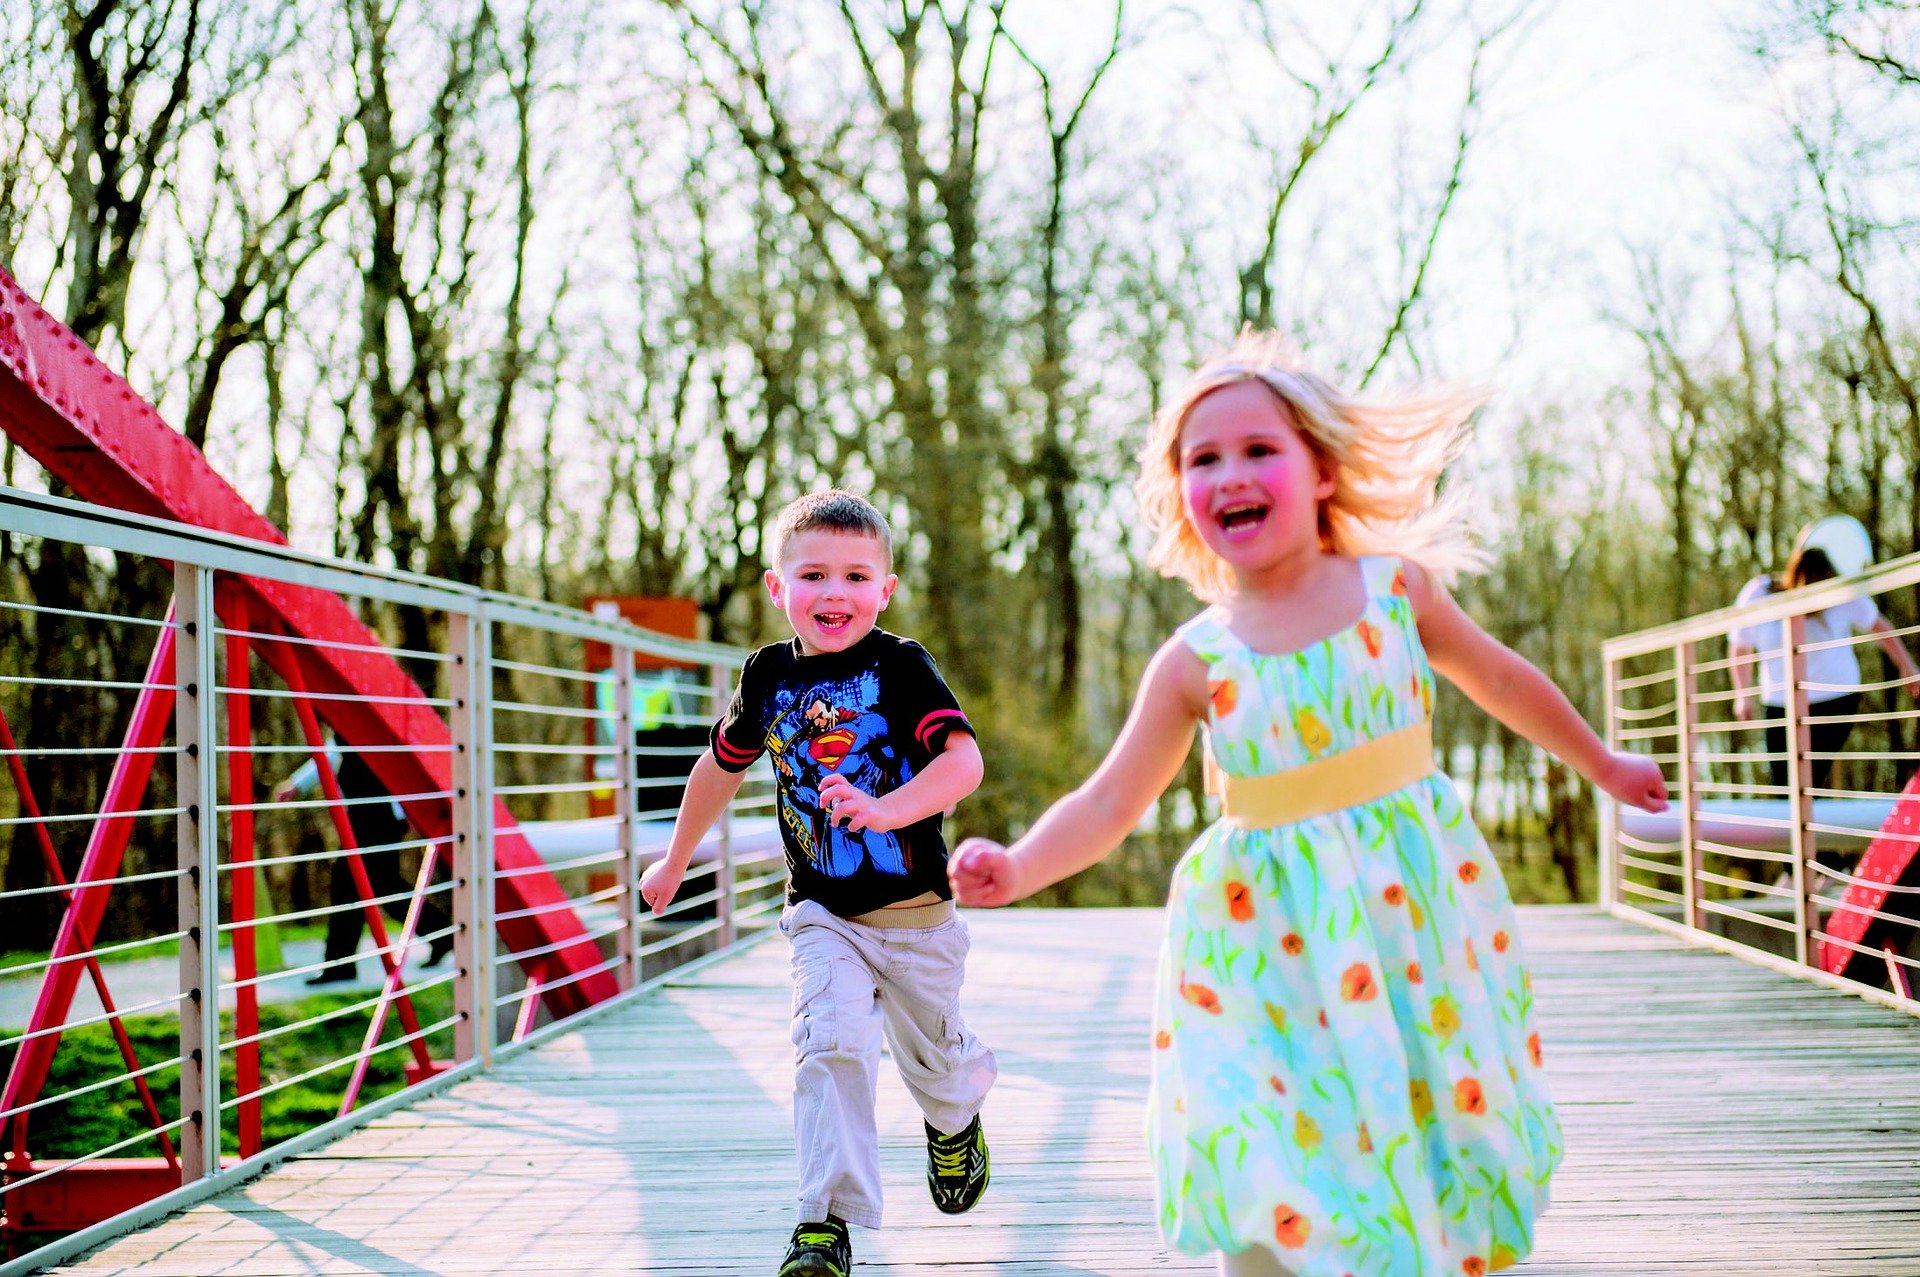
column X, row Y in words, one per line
column 1789, row 734
column 267, row 873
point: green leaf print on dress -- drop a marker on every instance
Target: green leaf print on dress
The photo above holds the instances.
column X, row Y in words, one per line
column 1345, row 995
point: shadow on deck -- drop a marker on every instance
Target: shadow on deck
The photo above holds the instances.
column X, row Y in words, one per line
column 1721, row 1120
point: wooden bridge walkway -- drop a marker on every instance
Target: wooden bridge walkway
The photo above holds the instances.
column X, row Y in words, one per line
column 1722, row 1121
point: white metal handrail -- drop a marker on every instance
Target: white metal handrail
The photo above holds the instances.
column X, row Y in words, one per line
column 1745, row 809
column 575, row 776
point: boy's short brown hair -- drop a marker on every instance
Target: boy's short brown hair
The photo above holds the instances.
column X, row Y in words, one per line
column 834, row 510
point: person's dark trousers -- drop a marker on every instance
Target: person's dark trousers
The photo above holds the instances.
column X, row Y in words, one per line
column 344, row 928
column 1827, row 737
column 374, row 825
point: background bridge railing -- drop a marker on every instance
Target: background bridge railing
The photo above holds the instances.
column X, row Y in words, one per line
column 485, row 777
column 1794, row 826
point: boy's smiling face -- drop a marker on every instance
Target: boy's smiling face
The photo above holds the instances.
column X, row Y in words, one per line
column 833, row 586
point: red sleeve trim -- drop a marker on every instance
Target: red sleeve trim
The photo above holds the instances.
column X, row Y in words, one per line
column 727, row 752
column 940, row 722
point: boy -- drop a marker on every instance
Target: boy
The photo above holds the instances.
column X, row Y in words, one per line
column 869, row 748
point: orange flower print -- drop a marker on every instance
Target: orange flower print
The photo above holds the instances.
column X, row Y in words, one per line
column 1201, row 996
column 1395, row 894
column 1370, row 635
column 1306, row 1131
column 1503, row 1257
column 1413, row 973
column 1278, row 1015
column 1163, row 1039
column 1313, row 733
column 1446, row 1017
column 1239, row 902
column 1400, row 581
column 1357, row 985
column 1533, row 1049
column 1420, row 1095
column 1290, row 1227
column 1468, row 1098
column 1291, row 944
column 1474, row 1266
column 1279, row 1087
column 1500, row 942
column 1366, row 1139
column 1473, row 959
column 1323, row 1019
column 1225, row 695
column 1423, row 687
column 1469, row 871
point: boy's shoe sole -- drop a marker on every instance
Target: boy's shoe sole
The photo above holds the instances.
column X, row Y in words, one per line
column 958, row 1168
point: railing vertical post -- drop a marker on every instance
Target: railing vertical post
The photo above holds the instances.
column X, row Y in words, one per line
column 1684, row 736
column 723, row 871
column 484, row 945
column 469, row 856
column 626, row 807
column 1799, row 781
column 196, row 776
column 1609, row 822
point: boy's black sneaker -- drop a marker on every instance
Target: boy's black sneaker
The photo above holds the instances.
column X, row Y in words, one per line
column 819, row 1250
column 957, row 1167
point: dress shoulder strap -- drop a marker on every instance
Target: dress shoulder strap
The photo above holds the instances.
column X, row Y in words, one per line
column 1384, row 575
column 1206, row 634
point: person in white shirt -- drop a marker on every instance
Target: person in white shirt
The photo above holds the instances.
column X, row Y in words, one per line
column 1832, row 673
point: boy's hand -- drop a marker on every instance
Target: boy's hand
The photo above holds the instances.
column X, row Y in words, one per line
column 983, row 874
column 659, row 883
column 1636, row 781
column 852, row 809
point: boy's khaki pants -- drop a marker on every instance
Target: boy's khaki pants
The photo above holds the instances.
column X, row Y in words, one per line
column 851, row 983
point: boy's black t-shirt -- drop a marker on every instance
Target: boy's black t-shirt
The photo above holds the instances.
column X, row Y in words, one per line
column 876, row 713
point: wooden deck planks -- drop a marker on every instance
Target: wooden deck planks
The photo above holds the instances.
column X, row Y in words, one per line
column 1722, row 1120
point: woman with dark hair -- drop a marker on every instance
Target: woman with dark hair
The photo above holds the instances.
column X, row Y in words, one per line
column 1832, row 672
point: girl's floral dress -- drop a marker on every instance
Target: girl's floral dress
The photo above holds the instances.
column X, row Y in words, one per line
column 1345, row 1066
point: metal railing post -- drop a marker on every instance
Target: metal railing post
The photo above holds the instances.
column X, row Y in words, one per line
column 723, row 871
column 626, row 807
column 1683, row 687
column 1608, row 824
column 486, row 946
column 472, row 952
column 197, row 777
column 1799, row 781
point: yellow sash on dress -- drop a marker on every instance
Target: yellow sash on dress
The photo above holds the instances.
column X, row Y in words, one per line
column 1368, row 771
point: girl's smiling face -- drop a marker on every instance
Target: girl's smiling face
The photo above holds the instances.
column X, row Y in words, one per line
column 1250, row 483
column 832, row 586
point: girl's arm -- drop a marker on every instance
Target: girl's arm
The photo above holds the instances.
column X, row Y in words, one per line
column 1509, row 687
column 1897, row 653
column 1087, row 824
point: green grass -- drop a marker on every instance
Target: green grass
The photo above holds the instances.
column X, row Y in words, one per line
column 113, row 1113
column 14, row 959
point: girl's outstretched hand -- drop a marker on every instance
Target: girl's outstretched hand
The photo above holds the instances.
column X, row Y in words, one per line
column 1636, row 781
column 982, row 874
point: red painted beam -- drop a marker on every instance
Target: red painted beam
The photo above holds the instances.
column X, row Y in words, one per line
column 80, row 1195
column 81, row 421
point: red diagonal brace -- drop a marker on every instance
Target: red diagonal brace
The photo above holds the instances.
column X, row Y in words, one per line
column 87, row 427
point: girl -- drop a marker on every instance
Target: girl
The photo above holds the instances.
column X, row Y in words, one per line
column 1346, row 1077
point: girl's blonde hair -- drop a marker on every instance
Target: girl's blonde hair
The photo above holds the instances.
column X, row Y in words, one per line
column 1387, row 457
